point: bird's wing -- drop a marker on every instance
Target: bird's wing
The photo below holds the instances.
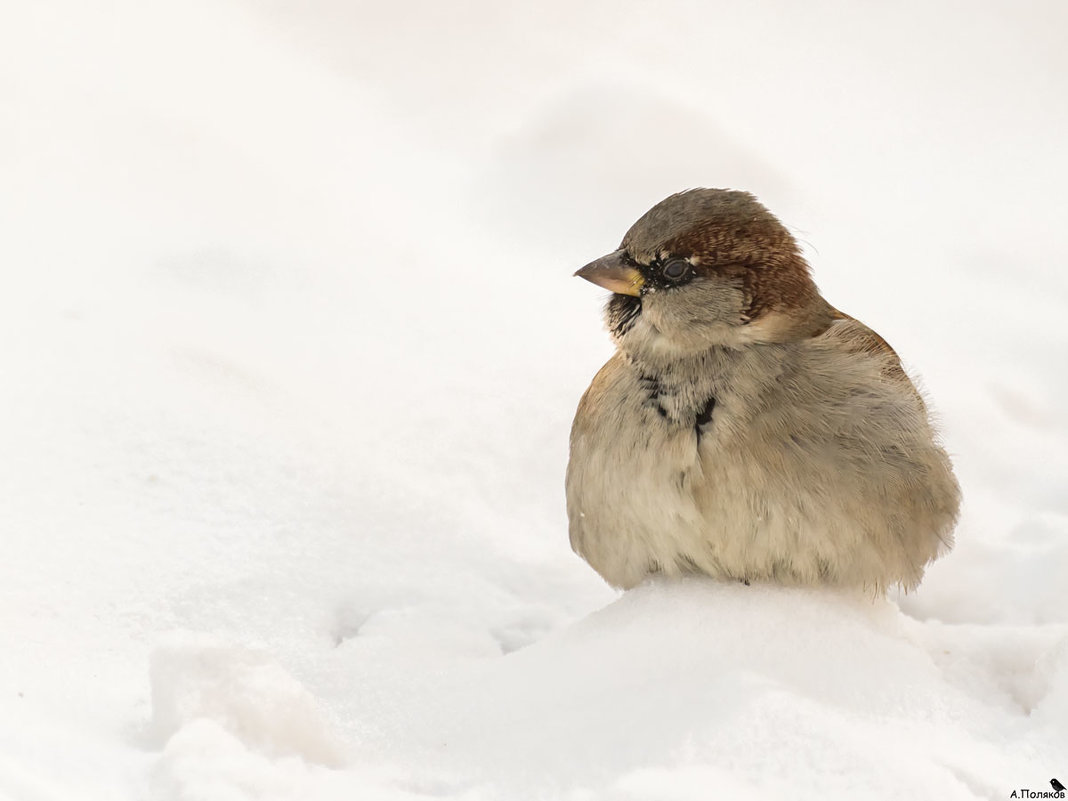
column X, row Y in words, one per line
column 855, row 337
column 858, row 338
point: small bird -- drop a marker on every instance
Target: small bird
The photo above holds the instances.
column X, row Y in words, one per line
column 1056, row 785
column 746, row 429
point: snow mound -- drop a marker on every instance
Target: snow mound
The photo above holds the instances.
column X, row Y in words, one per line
column 682, row 686
column 204, row 762
column 675, row 690
column 202, row 684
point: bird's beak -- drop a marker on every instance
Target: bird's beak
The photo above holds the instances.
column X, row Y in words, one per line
column 613, row 274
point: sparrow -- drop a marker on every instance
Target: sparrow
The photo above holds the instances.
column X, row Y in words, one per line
column 746, row 429
column 1056, row 785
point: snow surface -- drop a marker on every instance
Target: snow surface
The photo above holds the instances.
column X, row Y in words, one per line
column 290, row 349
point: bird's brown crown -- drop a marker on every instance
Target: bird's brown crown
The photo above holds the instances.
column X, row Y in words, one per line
column 722, row 225
column 732, row 235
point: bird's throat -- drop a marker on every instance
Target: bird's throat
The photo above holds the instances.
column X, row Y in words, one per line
column 621, row 314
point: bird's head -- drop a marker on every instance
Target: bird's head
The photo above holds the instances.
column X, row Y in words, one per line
column 705, row 268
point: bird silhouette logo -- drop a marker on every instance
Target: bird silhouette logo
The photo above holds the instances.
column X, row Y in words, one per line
column 1056, row 785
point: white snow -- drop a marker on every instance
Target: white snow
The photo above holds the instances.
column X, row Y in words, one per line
column 290, row 347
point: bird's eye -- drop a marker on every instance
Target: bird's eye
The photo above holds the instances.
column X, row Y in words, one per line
column 675, row 270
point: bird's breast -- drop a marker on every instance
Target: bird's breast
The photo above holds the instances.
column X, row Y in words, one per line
column 639, row 448
column 794, row 465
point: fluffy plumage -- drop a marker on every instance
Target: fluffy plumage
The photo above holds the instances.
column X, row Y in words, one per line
column 745, row 428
